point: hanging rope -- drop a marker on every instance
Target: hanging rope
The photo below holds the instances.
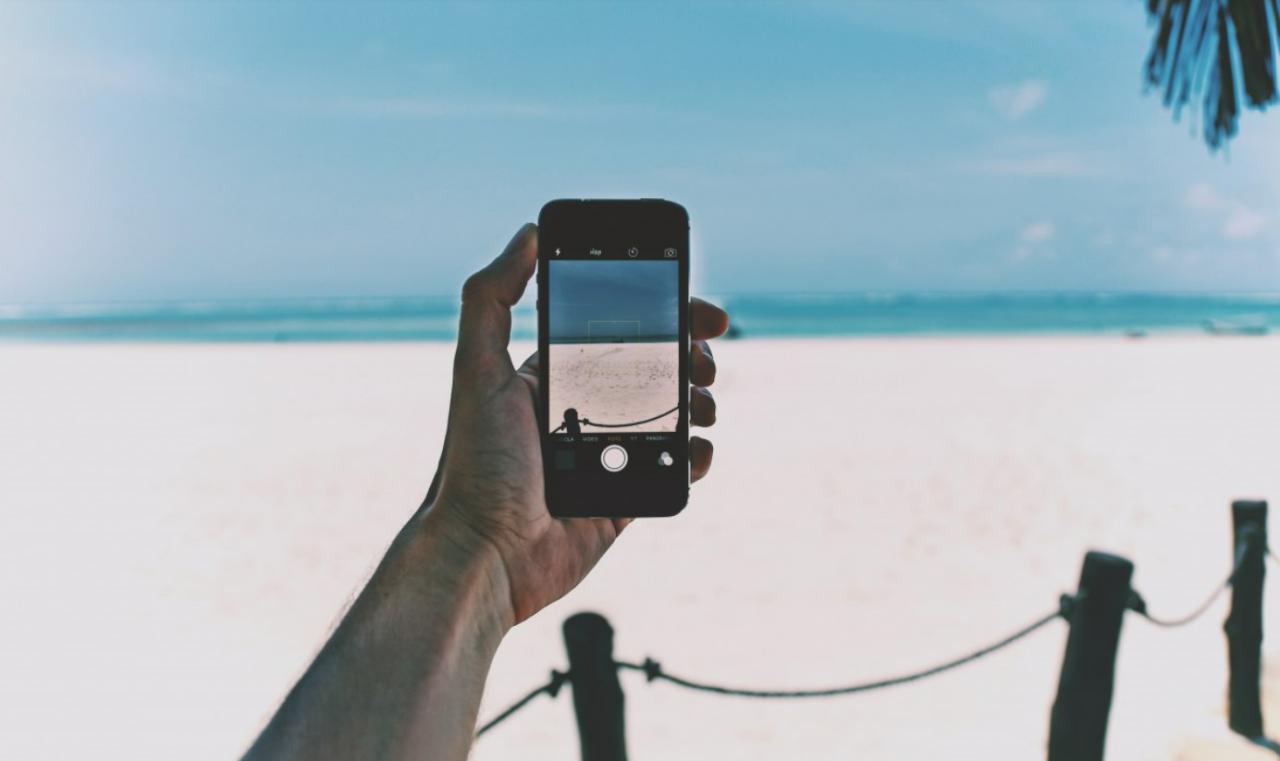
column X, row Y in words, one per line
column 653, row 670
column 1138, row 605
column 628, row 425
column 551, row 688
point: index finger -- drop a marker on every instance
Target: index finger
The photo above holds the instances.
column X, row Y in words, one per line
column 706, row 320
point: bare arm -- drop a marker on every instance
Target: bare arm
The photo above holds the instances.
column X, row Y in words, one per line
column 402, row 676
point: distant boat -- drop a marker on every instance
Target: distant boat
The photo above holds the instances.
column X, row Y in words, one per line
column 1248, row 325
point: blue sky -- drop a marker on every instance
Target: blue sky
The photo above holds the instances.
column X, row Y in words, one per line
column 220, row 150
column 605, row 299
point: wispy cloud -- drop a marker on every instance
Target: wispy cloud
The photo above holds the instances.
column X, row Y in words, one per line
column 1051, row 164
column 44, row 71
column 414, row 107
column 1032, row 239
column 1243, row 223
column 1018, row 100
column 1239, row 221
column 1203, row 197
column 1037, row 232
column 446, row 108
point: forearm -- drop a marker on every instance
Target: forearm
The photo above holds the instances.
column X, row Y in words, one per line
column 403, row 674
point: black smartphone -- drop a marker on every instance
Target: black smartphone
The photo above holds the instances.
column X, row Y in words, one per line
column 613, row 340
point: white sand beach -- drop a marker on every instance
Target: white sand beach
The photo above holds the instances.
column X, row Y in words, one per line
column 615, row 383
column 181, row 525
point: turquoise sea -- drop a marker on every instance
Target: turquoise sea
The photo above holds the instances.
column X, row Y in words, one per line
column 754, row 315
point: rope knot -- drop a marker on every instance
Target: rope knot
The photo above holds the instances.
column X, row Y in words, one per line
column 652, row 669
column 1067, row 606
column 558, row 678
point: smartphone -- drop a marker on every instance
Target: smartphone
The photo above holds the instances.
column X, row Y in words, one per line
column 613, row 340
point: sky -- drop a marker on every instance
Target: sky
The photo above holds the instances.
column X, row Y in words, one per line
column 608, row 299
column 176, row 151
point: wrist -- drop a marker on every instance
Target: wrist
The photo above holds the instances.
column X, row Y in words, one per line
column 461, row 559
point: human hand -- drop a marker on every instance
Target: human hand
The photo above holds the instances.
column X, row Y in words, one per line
column 490, row 488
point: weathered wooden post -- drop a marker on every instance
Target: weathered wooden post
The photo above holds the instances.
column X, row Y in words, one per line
column 597, row 694
column 1078, row 722
column 1244, row 623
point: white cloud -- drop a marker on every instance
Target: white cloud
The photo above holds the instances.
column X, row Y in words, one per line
column 1037, row 232
column 1032, row 239
column 41, row 71
column 1202, row 197
column 426, row 107
column 1243, row 223
column 431, row 108
column 1041, row 165
column 1239, row 222
column 1016, row 101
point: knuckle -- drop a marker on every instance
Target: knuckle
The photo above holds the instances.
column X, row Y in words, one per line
column 476, row 286
column 708, row 407
column 704, row 364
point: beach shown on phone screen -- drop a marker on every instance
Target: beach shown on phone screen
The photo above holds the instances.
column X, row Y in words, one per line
column 614, row 346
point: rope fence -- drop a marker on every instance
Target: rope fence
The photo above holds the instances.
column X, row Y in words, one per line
column 1078, row 718
column 586, row 421
column 654, row 671
column 550, row 689
column 1139, row 605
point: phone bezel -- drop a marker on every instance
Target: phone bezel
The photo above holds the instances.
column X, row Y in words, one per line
column 614, row 224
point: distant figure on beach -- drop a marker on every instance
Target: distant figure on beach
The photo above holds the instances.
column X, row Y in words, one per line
column 571, row 424
column 401, row 676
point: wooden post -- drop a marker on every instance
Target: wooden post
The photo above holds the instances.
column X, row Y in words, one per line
column 1078, row 722
column 1244, row 624
column 597, row 694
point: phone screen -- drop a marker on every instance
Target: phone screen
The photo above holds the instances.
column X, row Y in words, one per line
column 613, row 290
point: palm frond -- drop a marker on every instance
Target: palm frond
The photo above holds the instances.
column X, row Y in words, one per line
column 1194, row 54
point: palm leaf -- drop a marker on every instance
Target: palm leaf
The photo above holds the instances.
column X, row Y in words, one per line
column 1194, row 54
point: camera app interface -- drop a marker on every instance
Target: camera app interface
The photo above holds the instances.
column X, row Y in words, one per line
column 614, row 364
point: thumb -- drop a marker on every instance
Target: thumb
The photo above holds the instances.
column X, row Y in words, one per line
column 487, row 297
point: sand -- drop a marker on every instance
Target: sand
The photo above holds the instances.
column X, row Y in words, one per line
column 181, row 525
column 615, row 383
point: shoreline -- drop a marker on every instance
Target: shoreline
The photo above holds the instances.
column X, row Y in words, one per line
column 1154, row 336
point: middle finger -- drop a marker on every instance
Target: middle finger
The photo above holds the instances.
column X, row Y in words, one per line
column 702, row 365
column 702, row 407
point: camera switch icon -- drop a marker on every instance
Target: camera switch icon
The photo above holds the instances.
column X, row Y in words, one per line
column 665, row 459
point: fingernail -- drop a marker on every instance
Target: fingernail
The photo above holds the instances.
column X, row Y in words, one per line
column 520, row 235
column 527, row 229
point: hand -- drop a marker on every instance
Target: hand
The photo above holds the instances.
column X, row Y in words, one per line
column 490, row 487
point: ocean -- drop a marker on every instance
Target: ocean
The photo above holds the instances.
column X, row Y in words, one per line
column 754, row 315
